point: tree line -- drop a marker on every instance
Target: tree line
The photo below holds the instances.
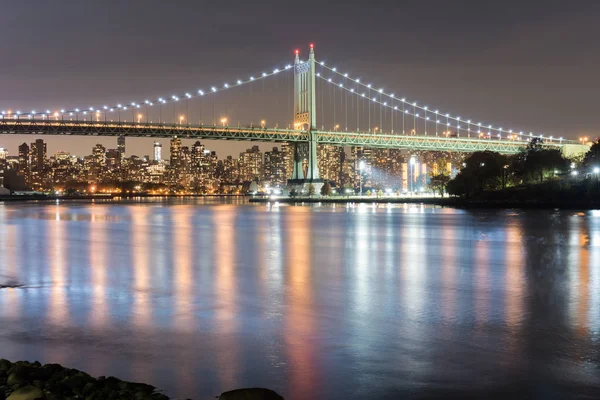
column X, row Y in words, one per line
column 486, row 171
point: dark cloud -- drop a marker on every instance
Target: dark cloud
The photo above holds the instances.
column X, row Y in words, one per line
column 532, row 64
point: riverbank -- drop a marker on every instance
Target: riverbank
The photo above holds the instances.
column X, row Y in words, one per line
column 353, row 200
column 47, row 197
column 456, row 202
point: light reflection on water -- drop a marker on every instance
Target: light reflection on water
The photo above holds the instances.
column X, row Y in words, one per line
column 315, row 302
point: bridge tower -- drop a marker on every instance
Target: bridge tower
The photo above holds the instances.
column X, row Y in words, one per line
column 305, row 117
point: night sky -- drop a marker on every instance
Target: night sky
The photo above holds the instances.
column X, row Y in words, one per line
column 532, row 65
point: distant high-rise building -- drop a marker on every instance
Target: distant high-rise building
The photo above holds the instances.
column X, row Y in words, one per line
column 24, row 160
column 330, row 162
column 251, row 164
column 3, row 154
column 62, row 156
column 231, row 171
column 38, row 155
column 113, row 158
column 157, row 152
column 275, row 167
column 99, row 155
column 362, row 157
column 175, row 162
column 175, row 152
column 288, row 154
column 121, row 145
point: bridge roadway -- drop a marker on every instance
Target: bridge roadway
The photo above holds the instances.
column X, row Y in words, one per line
column 366, row 139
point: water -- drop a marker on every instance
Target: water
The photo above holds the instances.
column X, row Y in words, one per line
column 314, row 302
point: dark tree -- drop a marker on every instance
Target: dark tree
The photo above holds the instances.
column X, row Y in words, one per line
column 438, row 183
column 326, row 189
column 592, row 157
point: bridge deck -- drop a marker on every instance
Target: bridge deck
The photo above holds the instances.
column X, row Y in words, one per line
column 367, row 139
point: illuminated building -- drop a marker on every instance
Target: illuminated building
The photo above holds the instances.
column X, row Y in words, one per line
column 157, row 152
column 275, row 165
column 251, row 164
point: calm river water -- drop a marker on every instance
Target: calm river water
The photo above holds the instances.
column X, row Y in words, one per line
column 314, row 302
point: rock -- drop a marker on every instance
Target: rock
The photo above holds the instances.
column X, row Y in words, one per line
column 112, row 383
column 78, row 381
column 38, row 383
column 5, row 365
column 58, row 388
column 14, row 379
column 141, row 396
column 27, row 393
column 250, row 394
column 23, row 380
column 139, row 387
column 97, row 396
column 89, row 388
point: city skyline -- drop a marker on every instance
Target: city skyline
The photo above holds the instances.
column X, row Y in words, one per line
column 189, row 167
column 466, row 73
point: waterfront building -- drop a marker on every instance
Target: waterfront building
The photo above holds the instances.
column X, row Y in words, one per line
column 275, row 165
column 251, row 164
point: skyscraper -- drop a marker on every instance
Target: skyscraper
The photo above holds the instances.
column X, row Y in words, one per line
column 330, row 162
column 275, row 167
column 121, row 146
column 24, row 160
column 37, row 163
column 175, row 152
column 99, row 155
column 288, row 154
column 251, row 164
column 38, row 155
column 157, row 152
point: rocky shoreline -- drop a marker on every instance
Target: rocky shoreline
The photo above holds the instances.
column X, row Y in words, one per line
column 23, row 380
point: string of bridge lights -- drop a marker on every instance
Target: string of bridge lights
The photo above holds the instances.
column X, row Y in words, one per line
column 146, row 103
column 481, row 127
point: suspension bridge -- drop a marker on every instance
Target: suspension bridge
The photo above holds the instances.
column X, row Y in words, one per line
column 351, row 113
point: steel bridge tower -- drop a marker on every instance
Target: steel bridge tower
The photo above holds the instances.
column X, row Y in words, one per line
column 305, row 118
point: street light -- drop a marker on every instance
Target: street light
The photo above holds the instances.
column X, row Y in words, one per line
column 263, row 123
column 181, row 118
column 140, row 117
column 224, row 121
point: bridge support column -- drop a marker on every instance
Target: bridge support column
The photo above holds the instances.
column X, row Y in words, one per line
column 298, row 172
column 305, row 118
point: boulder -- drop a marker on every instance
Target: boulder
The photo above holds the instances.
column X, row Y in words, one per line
column 27, row 393
column 14, row 379
column 250, row 394
column 5, row 365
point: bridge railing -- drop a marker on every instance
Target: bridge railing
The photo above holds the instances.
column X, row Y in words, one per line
column 146, row 129
column 430, row 142
column 251, row 133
